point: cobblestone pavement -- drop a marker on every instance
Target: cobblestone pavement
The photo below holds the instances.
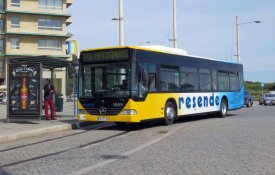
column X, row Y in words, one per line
column 242, row 143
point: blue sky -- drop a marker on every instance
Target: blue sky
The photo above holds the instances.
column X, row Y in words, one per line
column 205, row 28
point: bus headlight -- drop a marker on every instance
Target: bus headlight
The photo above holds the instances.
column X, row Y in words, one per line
column 82, row 111
column 129, row 112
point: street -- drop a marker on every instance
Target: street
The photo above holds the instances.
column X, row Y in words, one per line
column 242, row 143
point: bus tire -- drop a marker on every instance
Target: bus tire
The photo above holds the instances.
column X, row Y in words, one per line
column 223, row 108
column 169, row 113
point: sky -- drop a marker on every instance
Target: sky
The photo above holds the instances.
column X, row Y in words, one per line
column 204, row 27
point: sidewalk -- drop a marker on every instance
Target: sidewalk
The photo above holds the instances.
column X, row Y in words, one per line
column 26, row 129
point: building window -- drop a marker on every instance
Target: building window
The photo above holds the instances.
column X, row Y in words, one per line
column 1, row 68
column 49, row 24
column 51, row 4
column 15, row 43
column 2, row 5
column 1, row 25
column 1, row 45
column 15, row 22
column 15, row 3
column 49, row 44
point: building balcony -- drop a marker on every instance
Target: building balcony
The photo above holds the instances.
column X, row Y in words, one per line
column 69, row 21
column 38, row 13
column 36, row 34
column 69, row 3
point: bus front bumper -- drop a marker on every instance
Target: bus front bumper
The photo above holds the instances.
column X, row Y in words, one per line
column 108, row 118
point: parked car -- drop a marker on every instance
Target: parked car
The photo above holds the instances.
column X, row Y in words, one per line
column 248, row 99
column 267, row 99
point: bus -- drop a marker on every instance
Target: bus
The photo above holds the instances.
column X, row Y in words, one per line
column 138, row 83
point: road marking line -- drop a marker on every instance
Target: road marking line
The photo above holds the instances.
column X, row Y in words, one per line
column 128, row 153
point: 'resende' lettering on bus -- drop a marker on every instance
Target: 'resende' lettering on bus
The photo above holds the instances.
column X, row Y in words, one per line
column 201, row 101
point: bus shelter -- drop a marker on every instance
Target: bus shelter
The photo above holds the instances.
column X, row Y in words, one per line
column 24, row 85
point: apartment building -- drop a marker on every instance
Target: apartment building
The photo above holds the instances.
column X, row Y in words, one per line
column 34, row 28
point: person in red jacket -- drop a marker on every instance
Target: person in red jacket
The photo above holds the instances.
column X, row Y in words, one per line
column 48, row 99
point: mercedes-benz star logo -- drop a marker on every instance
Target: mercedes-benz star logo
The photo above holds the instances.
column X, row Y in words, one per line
column 102, row 110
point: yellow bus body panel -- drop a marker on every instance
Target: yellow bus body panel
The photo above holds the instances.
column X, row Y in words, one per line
column 151, row 108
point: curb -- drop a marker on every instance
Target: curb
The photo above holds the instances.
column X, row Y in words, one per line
column 42, row 131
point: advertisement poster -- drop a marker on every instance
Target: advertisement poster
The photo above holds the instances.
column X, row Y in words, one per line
column 24, row 91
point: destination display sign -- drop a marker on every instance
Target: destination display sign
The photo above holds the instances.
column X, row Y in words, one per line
column 104, row 55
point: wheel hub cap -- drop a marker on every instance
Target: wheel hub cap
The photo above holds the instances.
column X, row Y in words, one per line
column 170, row 113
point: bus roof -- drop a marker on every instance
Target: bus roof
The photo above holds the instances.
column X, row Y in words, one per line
column 157, row 48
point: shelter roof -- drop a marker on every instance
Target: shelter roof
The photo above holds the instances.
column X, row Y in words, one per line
column 48, row 62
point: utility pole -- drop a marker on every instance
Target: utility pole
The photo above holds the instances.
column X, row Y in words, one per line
column 238, row 39
column 121, row 24
column 175, row 24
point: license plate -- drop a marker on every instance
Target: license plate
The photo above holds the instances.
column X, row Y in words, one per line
column 82, row 117
column 103, row 119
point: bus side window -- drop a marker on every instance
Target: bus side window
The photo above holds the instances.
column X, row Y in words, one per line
column 214, row 80
column 188, row 79
column 223, row 80
column 148, row 75
column 143, row 79
column 240, row 74
column 143, row 76
column 234, row 81
column 152, row 82
column 164, row 86
column 169, row 78
column 205, row 80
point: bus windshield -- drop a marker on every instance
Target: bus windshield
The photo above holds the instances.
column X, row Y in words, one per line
column 108, row 80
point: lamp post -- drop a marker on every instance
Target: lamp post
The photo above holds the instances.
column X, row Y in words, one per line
column 175, row 25
column 121, row 23
column 175, row 40
column 75, row 64
column 238, row 36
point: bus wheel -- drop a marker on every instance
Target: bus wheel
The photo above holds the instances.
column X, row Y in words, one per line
column 223, row 109
column 121, row 124
column 170, row 113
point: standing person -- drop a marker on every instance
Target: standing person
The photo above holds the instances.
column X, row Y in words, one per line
column 48, row 99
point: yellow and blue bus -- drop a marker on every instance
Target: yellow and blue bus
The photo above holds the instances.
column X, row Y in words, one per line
column 138, row 83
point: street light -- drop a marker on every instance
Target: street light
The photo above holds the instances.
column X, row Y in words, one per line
column 121, row 27
column 175, row 24
column 174, row 40
column 238, row 35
